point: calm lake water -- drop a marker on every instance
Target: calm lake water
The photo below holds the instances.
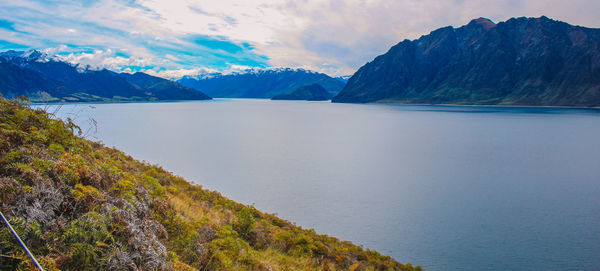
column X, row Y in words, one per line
column 444, row 187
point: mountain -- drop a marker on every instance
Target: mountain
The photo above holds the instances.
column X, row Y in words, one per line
column 260, row 83
column 314, row 92
column 15, row 81
column 78, row 205
column 343, row 78
column 523, row 61
column 45, row 78
column 163, row 89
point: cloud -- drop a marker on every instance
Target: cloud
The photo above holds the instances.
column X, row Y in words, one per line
column 176, row 37
column 108, row 59
column 177, row 73
column 95, row 31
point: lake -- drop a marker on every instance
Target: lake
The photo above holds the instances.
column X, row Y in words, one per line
column 444, row 187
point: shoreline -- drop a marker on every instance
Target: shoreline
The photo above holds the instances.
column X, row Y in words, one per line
column 118, row 102
column 482, row 105
column 369, row 103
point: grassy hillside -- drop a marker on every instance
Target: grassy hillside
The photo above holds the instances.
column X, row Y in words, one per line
column 79, row 205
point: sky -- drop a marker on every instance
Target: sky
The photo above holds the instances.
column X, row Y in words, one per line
column 172, row 38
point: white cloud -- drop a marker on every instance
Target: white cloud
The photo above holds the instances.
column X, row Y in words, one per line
column 178, row 73
column 105, row 59
column 252, row 21
column 235, row 68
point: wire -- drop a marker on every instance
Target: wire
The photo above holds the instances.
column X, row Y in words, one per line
column 21, row 242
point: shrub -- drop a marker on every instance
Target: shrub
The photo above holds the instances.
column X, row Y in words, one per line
column 86, row 194
column 245, row 222
column 88, row 239
column 154, row 185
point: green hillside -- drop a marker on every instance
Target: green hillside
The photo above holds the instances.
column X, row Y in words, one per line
column 79, row 205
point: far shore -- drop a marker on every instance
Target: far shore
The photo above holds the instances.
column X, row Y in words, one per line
column 373, row 103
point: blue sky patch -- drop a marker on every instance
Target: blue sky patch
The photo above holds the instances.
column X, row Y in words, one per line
column 7, row 25
column 216, row 43
column 7, row 45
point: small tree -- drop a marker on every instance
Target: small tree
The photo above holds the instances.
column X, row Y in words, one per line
column 245, row 222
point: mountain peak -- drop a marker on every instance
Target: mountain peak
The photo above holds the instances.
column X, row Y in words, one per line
column 523, row 61
column 34, row 54
column 486, row 23
column 29, row 55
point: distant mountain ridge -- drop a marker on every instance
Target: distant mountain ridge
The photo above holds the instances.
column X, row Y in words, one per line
column 523, row 61
column 313, row 92
column 44, row 78
column 343, row 78
column 260, row 83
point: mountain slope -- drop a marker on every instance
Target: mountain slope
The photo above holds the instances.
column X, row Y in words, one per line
column 260, row 83
column 15, row 81
column 314, row 92
column 523, row 61
column 81, row 206
column 163, row 89
column 56, row 80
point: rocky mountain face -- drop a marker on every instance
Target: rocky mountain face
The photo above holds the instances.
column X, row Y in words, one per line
column 314, row 92
column 44, row 78
column 260, row 83
column 523, row 61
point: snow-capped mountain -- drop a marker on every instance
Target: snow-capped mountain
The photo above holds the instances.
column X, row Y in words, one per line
column 259, row 83
column 47, row 78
